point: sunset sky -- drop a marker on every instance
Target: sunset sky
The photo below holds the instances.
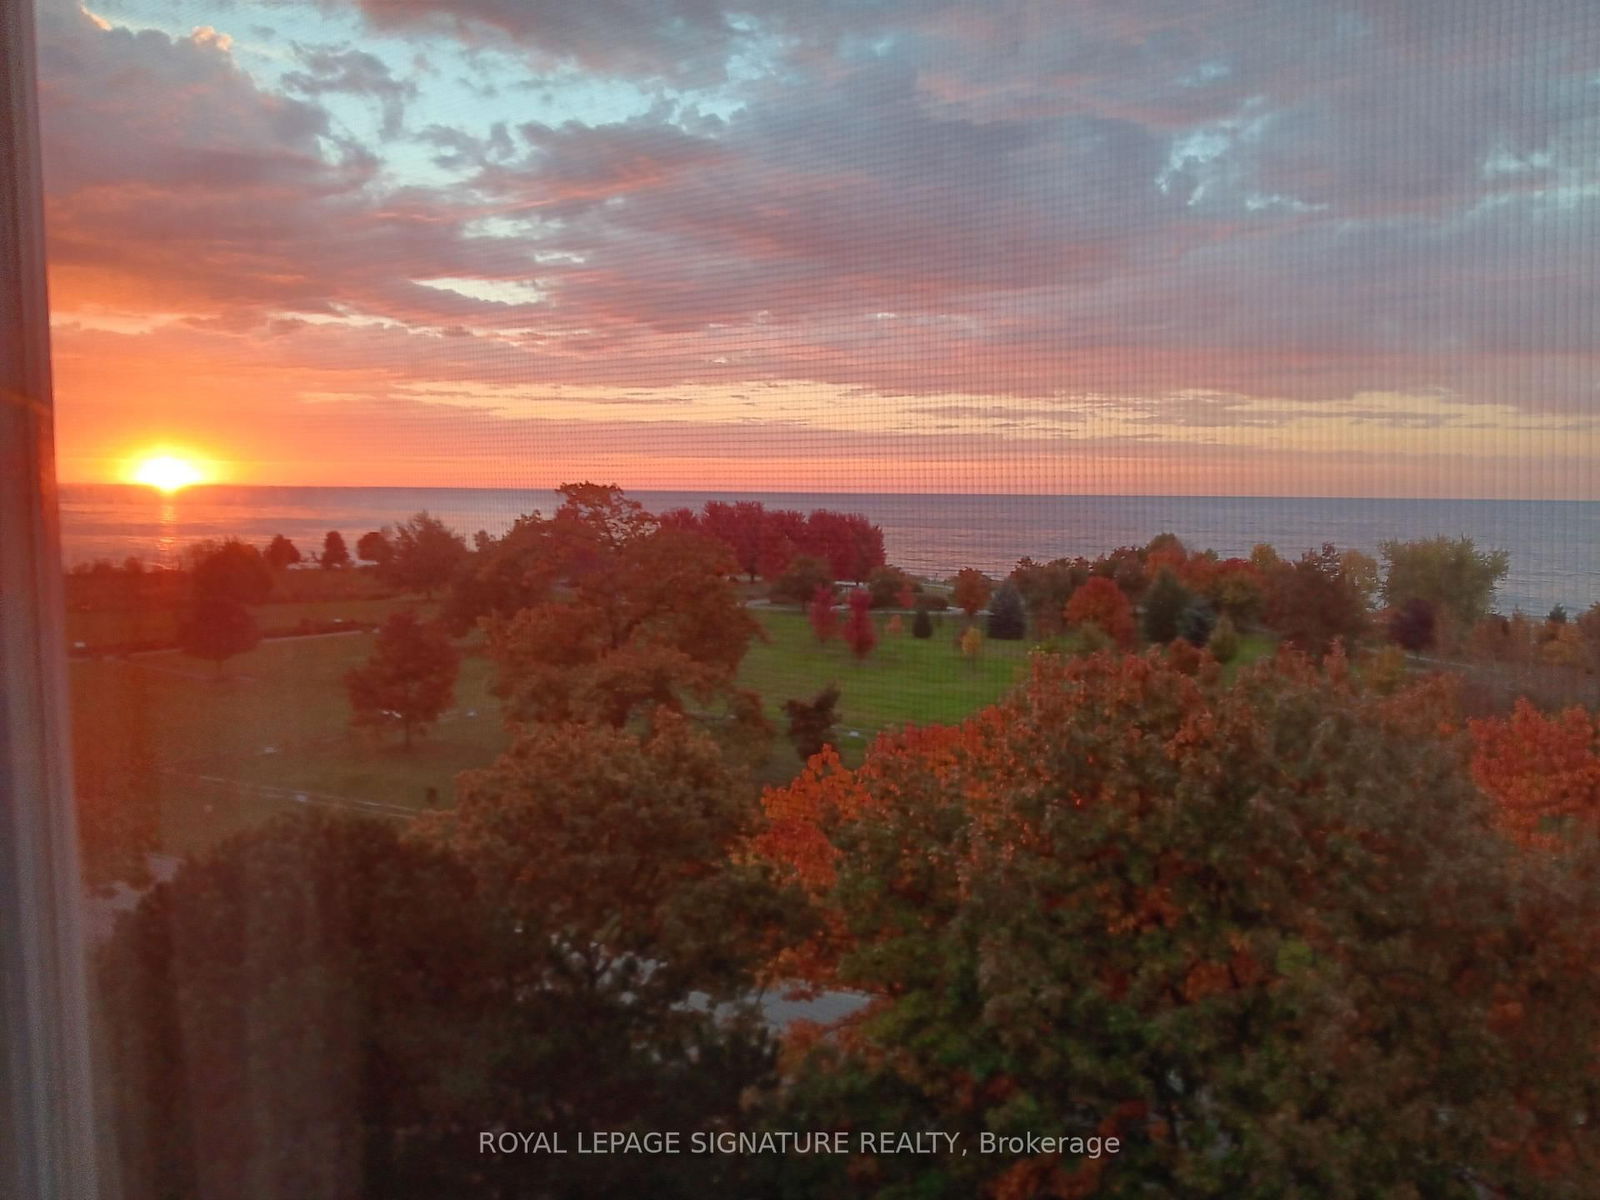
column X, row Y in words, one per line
column 1278, row 247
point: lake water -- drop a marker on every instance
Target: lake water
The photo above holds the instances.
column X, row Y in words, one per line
column 1554, row 545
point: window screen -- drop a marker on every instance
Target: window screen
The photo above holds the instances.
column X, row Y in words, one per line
column 877, row 599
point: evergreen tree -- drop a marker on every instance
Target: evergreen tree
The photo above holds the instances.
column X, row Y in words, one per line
column 1197, row 623
column 1164, row 604
column 281, row 553
column 922, row 626
column 1008, row 621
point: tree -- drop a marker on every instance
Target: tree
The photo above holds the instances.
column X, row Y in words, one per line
column 1168, row 550
column 335, row 554
column 1191, row 915
column 1362, row 572
column 1451, row 574
column 1046, row 588
column 650, row 620
column 426, row 554
column 1008, row 621
column 1412, row 624
column 1543, row 772
column 741, row 527
column 615, row 865
column 971, row 591
column 321, row 982
column 850, row 544
column 860, row 634
column 971, row 644
column 410, row 678
column 1102, row 603
column 890, row 587
column 1164, row 603
column 1198, row 621
column 375, row 547
column 811, row 723
column 1235, row 587
column 217, row 630
column 1224, row 644
column 922, row 625
column 1557, row 615
column 232, row 571
column 823, row 615
column 799, row 582
column 1313, row 603
column 281, row 553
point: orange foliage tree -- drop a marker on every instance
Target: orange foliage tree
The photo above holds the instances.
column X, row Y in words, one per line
column 1103, row 603
column 971, row 591
column 1543, row 772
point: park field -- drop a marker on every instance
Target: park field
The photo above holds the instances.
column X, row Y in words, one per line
column 273, row 733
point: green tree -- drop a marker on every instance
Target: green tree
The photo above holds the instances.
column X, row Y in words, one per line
column 811, row 722
column 375, row 546
column 651, row 619
column 922, row 624
column 1008, row 620
column 614, row 863
column 1164, row 603
column 890, row 587
column 335, row 554
column 800, row 580
column 410, row 679
column 232, row 571
column 1453, row 575
column 426, row 554
column 281, row 553
column 217, row 630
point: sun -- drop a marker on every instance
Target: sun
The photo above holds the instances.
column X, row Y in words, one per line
column 167, row 472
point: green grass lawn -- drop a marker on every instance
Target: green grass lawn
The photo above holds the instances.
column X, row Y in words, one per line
column 278, row 719
column 113, row 628
column 905, row 680
column 218, row 755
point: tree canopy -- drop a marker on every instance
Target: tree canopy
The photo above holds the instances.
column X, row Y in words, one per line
column 1451, row 574
column 410, row 679
column 1130, row 901
column 649, row 618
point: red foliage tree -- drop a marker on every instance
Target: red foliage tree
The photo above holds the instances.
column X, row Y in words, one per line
column 823, row 615
column 1103, row 603
column 850, row 543
column 859, row 631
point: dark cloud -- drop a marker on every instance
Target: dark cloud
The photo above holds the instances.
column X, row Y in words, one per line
column 333, row 70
